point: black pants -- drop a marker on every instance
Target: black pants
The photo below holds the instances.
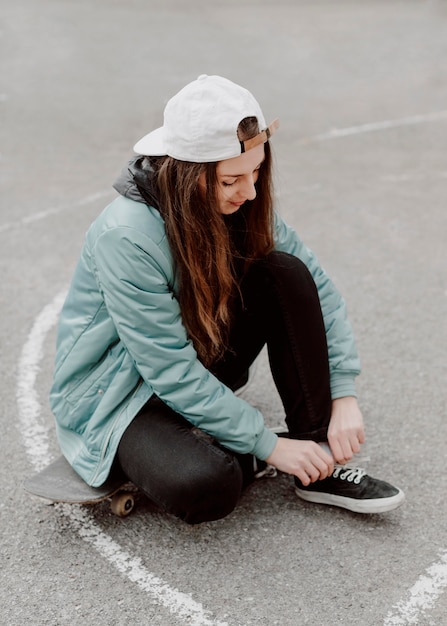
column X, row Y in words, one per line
column 185, row 471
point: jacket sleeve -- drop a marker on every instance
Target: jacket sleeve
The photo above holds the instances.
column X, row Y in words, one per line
column 133, row 275
column 344, row 363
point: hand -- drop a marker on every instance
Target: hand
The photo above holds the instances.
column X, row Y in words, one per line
column 346, row 432
column 304, row 459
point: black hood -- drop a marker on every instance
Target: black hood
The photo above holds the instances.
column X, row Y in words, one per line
column 136, row 182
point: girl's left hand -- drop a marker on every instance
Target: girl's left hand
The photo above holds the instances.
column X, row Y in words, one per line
column 346, row 432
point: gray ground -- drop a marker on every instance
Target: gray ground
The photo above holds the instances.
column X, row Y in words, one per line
column 80, row 82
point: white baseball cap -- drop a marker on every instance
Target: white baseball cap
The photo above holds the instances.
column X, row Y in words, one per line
column 201, row 121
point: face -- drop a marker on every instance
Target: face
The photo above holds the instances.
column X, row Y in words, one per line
column 236, row 179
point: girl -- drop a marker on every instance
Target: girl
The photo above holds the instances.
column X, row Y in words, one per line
column 182, row 280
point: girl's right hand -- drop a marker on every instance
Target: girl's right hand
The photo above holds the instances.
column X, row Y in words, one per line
column 304, row 459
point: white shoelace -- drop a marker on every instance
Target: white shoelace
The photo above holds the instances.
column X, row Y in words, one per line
column 351, row 474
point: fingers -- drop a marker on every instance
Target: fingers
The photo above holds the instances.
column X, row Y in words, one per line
column 304, row 459
column 324, row 465
column 342, row 450
column 344, row 447
column 309, row 474
column 304, row 477
column 317, row 466
column 346, row 431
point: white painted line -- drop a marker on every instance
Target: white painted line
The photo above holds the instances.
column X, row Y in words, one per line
column 34, row 434
column 413, row 177
column 331, row 134
column 35, row 438
column 375, row 126
column 40, row 215
column 422, row 596
column 177, row 602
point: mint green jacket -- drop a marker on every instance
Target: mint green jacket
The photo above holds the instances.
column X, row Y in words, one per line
column 121, row 339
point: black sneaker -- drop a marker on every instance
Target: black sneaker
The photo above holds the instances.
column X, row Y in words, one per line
column 263, row 470
column 351, row 488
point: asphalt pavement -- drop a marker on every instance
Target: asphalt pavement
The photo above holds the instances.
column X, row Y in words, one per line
column 361, row 161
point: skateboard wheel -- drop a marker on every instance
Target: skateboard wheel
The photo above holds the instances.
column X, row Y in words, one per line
column 122, row 503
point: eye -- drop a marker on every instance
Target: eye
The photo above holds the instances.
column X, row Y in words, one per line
column 226, row 184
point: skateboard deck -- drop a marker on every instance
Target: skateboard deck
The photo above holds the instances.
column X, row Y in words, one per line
column 58, row 482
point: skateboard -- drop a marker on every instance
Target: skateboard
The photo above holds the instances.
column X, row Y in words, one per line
column 58, row 482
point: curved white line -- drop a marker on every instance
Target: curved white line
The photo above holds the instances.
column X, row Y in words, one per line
column 331, row 134
column 423, row 595
column 175, row 601
column 411, row 120
column 34, row 434
column 35, row 217
column 35, row 439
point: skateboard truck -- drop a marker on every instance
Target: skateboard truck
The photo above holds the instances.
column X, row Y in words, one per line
column 58, row 482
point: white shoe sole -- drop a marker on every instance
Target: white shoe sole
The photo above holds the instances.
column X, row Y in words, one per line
column 377, row 505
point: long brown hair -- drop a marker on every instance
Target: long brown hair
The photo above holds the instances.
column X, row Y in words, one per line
column 209, row 263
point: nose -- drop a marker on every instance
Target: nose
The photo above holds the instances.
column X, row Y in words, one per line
column 248, row 187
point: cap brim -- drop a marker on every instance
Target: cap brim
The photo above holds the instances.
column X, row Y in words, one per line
column 152, row 144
